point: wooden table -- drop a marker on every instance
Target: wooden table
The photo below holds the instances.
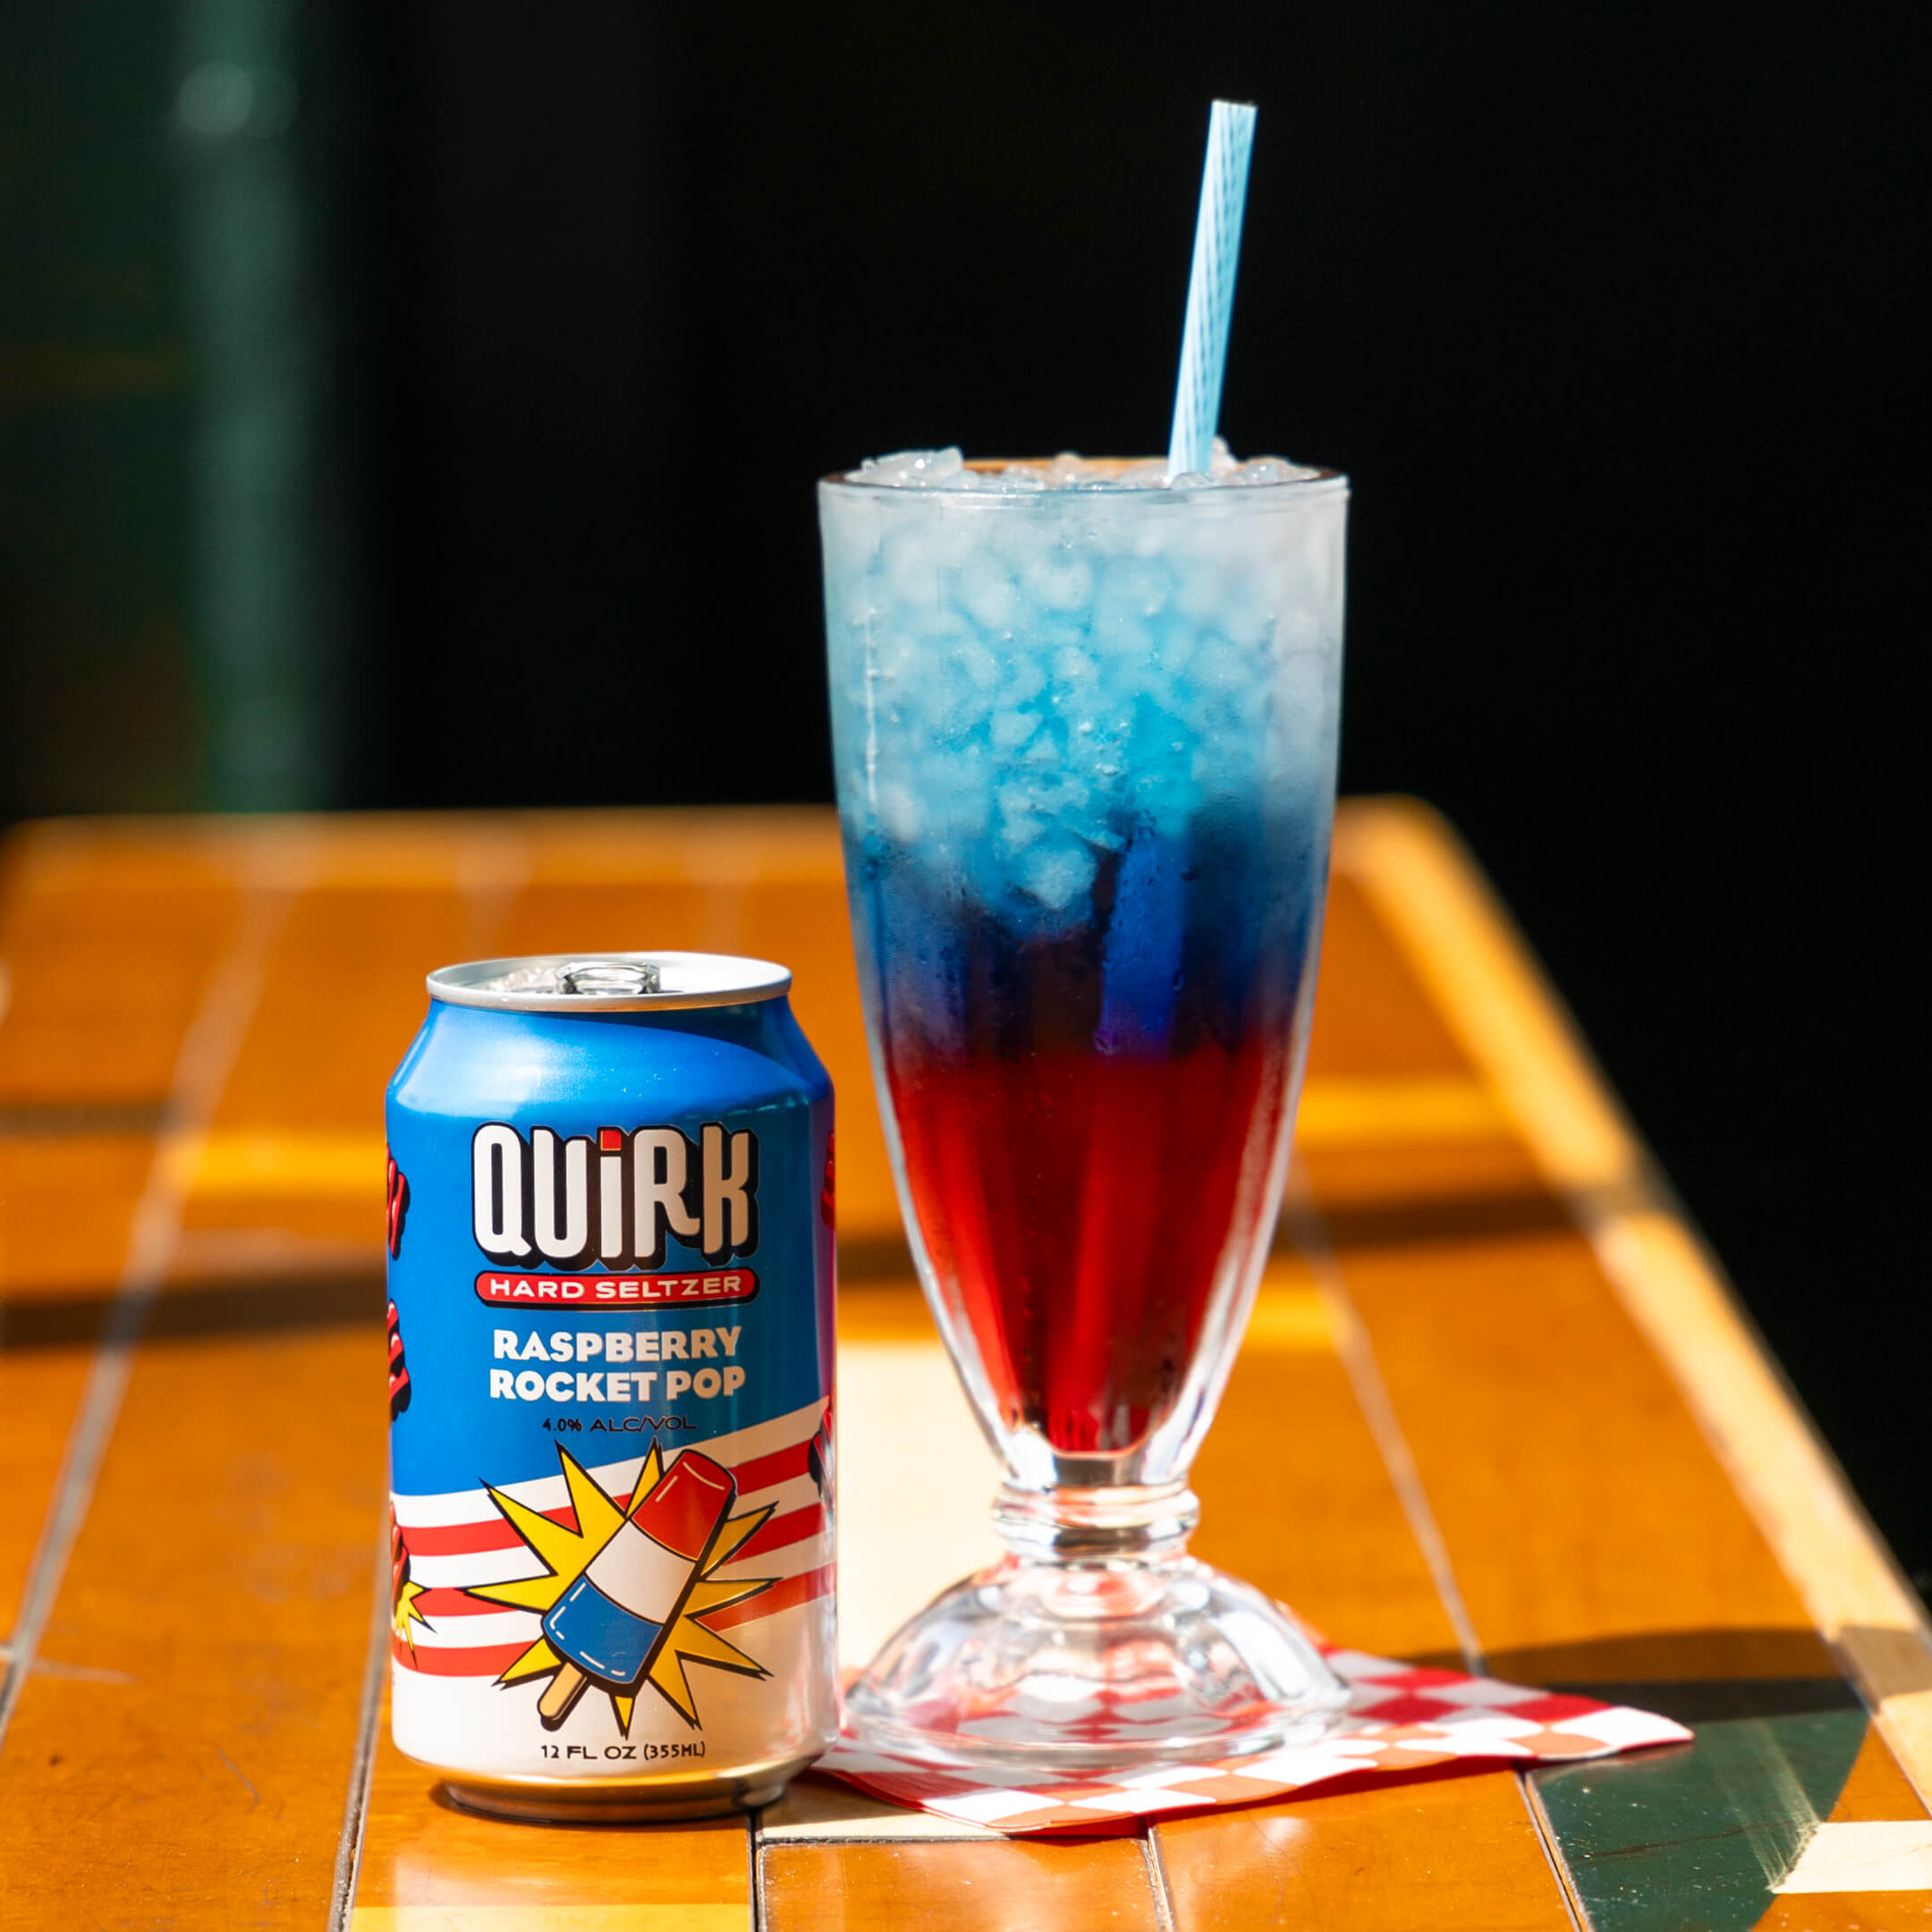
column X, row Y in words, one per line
column 1509, row 1414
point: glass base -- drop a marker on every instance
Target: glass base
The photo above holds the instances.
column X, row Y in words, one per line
column 1038, row 1666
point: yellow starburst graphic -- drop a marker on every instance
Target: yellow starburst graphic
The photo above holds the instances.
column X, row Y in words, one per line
column 404, row 1615
column 407, row 1616
column 567, row 1552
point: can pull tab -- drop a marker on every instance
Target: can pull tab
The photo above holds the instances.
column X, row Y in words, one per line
column 626, row 979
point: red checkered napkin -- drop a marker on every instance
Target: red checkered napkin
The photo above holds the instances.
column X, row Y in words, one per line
column 1402, row 1723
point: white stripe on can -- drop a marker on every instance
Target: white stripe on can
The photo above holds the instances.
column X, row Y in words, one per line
column 638, row 1575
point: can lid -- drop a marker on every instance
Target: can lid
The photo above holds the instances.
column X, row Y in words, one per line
column 609, row 982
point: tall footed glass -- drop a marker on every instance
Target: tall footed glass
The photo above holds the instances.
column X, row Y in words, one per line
column 1085, row 732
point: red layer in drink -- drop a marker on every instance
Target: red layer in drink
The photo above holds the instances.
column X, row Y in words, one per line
column 1081, row 1203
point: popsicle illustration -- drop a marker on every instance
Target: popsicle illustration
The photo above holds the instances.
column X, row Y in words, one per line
column 612, row 1621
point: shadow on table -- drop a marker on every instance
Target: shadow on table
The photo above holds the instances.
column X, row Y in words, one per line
column 1698, row 1835
column 193, row 1308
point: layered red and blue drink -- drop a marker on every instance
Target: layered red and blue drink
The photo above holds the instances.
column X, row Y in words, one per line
column 1085, row 728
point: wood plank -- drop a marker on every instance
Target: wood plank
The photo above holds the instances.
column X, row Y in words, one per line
column 289, row 1169
column 1295, row 1497
column 732, row 845
column 426, row 1866
column 105, row 969
column 1342, row 1112
column 1463, row 957
column 40, row 1391
column 343, row 998
column 1388, row 1194
column 1581, row 1504
column 1372, row 1017
column 958, row 1887
column 1458, row 1854
column 79, row 915
column 1876, row 1788
column 1339, row 1546
column 65, row 1206
column 211, row 1629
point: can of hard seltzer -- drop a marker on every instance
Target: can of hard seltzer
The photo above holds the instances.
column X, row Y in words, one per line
column 610, row 1387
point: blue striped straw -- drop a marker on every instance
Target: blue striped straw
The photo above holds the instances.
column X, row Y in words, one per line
column 1210, row 296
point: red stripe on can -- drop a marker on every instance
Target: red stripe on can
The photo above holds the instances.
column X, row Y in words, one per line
column 768, row 1471
column 782, row 1596
column 796, row 1526
column 446, row 1601
column 485, row 1660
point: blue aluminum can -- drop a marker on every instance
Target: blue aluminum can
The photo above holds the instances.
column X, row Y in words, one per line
column 610, row 1386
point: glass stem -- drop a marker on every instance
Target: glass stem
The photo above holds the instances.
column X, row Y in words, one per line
column 1127, row 1524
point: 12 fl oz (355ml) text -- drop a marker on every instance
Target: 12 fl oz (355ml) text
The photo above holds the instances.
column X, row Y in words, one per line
column 626, row 1753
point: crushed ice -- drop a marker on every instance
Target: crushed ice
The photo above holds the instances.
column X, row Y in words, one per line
column 1016, row 698
column 948, row 470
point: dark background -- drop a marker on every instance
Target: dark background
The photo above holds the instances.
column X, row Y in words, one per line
column 1615, row 315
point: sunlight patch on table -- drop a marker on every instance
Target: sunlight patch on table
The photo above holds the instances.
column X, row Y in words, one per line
column 1879, row 1856
column 916, row 1481
column 667, row 1918
column 824, row 1811
column 1291, row 1319
column 233, row 1163
column 1338, row 1113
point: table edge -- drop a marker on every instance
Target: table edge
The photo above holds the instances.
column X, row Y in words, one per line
column 1460, row 942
